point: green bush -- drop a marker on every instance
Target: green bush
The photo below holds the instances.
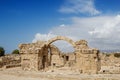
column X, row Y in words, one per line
column 117, row 55
column 2, row 51
column 16, row 51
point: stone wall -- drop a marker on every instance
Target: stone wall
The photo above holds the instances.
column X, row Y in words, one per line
column 56, row 59
column 87, row 59
column 110, row 63
column 29, row 61
column 10, row 60
column 34, row 56
column 69, row 59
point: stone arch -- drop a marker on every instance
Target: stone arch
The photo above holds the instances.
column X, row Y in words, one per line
column 61, row 58
column 61, row 38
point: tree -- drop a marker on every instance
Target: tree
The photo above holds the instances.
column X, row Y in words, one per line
column 16, row 51
column 2, row 51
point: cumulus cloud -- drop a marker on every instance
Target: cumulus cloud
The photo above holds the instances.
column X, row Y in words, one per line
column 43, row 37
column 108, row 28
column 79, row 6
column 101, row 32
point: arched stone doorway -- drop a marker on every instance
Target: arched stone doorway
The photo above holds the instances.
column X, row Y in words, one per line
column 57, row 58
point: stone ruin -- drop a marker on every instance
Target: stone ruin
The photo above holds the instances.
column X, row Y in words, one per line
column 43, row 55
column 10, row 60
column 110, row 64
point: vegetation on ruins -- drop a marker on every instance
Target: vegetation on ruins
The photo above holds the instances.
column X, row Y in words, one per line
column 117, row 55
column 108, row 54
column 16, row 51
column 2, row 51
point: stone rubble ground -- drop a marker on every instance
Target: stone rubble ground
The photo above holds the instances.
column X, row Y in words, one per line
column 56, row 74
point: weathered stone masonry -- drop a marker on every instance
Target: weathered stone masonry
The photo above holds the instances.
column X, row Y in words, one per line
column 42, row 54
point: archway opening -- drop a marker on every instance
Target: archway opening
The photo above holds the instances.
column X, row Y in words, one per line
column 64, row 46
column 62, row 53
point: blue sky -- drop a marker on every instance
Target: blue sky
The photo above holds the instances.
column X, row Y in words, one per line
column 24, row 21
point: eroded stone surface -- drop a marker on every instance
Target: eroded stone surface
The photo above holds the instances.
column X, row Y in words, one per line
column 41, row 55
column 9, row 61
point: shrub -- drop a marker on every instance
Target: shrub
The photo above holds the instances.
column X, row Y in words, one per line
column 16, row 51
column 2, row 51
column 117, row 55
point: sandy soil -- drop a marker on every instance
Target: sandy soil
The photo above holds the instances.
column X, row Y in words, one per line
column 59, row 74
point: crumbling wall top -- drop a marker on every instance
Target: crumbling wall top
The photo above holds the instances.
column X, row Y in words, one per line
column 31, row 47
column 82, row 44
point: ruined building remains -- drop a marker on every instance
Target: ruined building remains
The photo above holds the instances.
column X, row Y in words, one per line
column 44, row 55
column 9, row 61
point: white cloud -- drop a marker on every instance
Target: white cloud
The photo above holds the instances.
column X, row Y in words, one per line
column 108, row 28
column 104, row 29
column 101, row 32
column 43, row 37
column 79, row 6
